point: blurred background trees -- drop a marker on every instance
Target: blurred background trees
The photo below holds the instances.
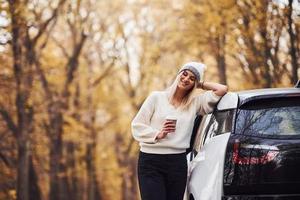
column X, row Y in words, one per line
column 74, row 73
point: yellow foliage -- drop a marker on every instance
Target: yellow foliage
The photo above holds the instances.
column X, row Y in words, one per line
column 135, row 47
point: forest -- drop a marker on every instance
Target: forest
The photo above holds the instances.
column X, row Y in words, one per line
column 73, row 74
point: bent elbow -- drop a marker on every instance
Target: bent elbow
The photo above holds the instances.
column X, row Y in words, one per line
column 225, row 89
column 222, row 90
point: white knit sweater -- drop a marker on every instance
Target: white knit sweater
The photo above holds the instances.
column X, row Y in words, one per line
column 151, row 116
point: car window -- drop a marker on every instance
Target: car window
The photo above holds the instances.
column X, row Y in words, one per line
column 213, row 124
column 200, row 133
column 220, row 122
column 274, row 118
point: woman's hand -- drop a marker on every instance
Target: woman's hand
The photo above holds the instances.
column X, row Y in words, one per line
column 168, row 127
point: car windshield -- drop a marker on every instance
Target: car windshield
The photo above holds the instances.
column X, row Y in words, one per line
column 277, row 117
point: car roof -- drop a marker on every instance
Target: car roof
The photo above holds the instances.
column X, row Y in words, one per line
column 249, row 95
column 234, row 99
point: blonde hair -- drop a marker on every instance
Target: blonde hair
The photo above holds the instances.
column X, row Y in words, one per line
column 188, row 99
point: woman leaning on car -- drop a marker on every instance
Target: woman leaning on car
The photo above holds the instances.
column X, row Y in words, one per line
column 163, row 128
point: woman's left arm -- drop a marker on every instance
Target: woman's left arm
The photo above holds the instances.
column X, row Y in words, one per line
column 217, row 88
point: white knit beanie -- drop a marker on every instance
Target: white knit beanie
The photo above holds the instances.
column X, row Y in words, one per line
column 196, row 68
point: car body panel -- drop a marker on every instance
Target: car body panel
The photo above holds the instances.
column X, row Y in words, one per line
column 207, row 169
column 228, row 101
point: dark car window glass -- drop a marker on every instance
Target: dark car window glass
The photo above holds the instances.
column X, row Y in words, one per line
column 278, row 117
column 220, row 122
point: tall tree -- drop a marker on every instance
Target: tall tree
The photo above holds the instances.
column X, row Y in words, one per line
column 208, row 26
column 258, row 39
column 23, row 70
column 57, row 103
column 293, row 43
column 24, row 54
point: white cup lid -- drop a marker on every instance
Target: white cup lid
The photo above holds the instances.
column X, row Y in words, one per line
column 171, row 117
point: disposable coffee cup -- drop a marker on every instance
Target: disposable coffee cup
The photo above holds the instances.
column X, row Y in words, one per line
column 172, row 118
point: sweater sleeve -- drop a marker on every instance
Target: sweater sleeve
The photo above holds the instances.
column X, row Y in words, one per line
column 140, row 125
column 206, row 102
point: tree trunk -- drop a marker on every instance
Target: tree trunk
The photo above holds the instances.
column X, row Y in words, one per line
column 23, row 170
column 90, row 172
column 73, row 189
column 58, row 179
column 93, row 192
column 129, row 178
column 34, row 190
column 59, row 184
column 266, row 70
column 221, row 59
column 56, row 169
column 125, row 161
column 23, row 70
column 293, row 42
column 218, row 49
column 93, row 187
column 134, row 188
column 55, row 157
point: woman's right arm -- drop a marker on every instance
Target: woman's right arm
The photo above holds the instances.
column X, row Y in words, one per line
column 207, row 101
column 140, row 125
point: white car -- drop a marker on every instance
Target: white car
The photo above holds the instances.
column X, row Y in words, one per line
column 248, row 148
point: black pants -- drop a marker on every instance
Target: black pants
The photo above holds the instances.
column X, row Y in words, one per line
column 162, row 176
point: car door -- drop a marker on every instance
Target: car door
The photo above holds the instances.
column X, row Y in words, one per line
column 206, row 168
column 263, row 153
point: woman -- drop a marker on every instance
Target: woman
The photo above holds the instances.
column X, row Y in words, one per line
column 162, row 165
